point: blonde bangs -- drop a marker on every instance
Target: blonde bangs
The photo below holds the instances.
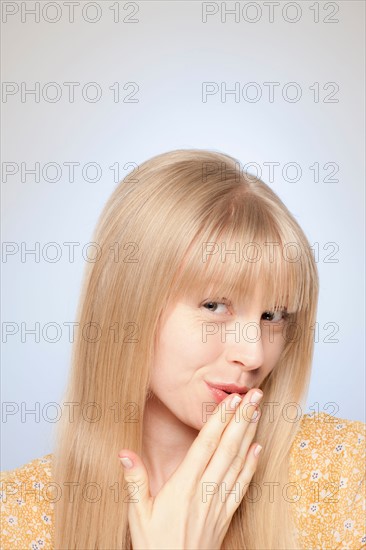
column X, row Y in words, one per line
column 241, row 251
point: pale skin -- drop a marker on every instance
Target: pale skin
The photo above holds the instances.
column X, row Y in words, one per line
column 186, row 442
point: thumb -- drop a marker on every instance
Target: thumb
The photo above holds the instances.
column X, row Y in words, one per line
column 135, row 472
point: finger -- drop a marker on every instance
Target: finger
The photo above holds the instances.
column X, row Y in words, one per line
column 233, row 499
column 136, row 475
column 229, row 458
column 206, row 443
column 238, row 463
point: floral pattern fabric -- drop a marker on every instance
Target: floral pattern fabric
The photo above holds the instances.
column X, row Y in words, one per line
column 26, row 507
column 328, row 465
column 327, row 473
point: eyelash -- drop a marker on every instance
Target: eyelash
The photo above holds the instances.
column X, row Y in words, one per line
column 226, row 302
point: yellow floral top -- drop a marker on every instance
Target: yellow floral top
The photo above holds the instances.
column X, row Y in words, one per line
column 327, row 470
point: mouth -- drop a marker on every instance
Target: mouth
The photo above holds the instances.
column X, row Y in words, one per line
column 220, row 391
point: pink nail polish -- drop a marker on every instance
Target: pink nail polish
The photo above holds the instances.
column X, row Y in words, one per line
column 126, row 462
column 235, row 401
column 257, row 450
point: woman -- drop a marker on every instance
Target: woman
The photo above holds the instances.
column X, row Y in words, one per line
column 205, row 281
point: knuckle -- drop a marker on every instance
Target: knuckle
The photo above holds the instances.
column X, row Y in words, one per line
column 237, row 464
column 209, row 444
column 230, row 449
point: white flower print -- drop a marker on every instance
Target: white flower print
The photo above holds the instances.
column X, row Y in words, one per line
column 349, row 524
column 313, row 508
column 315, row 475
column 343, row 482
column 46, row 518
column 12, row 520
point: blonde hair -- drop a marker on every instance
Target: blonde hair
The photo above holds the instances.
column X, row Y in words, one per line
column 173, row 223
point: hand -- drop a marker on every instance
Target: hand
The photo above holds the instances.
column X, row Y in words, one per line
column 195, row 506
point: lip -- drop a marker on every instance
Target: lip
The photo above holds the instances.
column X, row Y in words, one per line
column 218, row 393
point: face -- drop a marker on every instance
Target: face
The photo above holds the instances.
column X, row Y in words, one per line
column 216, row 341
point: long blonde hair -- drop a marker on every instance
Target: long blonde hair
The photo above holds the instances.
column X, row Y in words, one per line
column 169, row 228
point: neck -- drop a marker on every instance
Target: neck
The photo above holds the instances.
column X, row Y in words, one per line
column 166, row 441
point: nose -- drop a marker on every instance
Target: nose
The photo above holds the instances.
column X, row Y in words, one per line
column 244, row 345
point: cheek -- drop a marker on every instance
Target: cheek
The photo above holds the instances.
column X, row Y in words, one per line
column 179, row 353
column 189, row 343
column 273, row 346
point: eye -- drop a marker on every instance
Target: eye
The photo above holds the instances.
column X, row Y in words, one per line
column 212, row 305
column 281, row 314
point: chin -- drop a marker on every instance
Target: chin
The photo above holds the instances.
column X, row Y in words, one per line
column 195, row 424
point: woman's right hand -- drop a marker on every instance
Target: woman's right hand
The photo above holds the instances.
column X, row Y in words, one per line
column 195, row 506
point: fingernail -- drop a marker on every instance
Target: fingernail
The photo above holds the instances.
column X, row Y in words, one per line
column 256, row 397
column 126, row 462
column 257, row 450
column 235, row 401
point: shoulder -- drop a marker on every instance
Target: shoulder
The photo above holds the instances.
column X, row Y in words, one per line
column 327, row 465
column 27, row 506
column 324, row 430
column 329, row 441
